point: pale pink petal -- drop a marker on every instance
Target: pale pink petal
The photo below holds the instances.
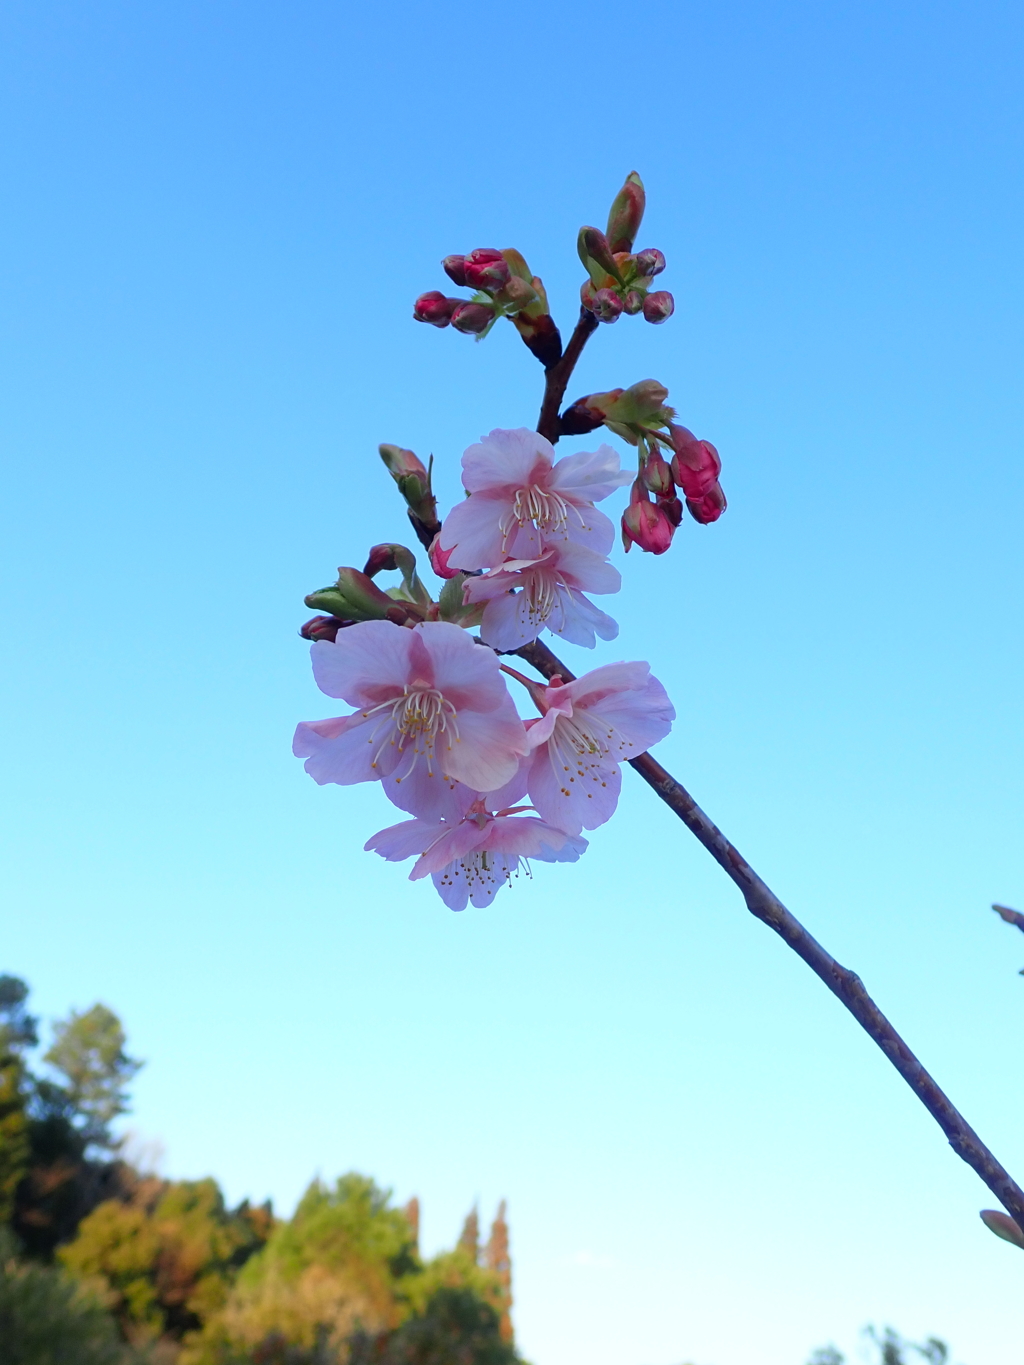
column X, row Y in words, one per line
column 638, row 719
column 588, row 476
column 539, row 731
column 472, row 531
column 469, row 677
column 407, row 840
column 524, row 837
column 581, row 620
column 452, row 888
column 365, row 664
column 485, row 755
column 454, row 845
column 603, row 681
column 573, row 795
column 587, row 526
column 510, row 794
column 428, row 795
column 506, row 622
column 583, row 569
column 361, row 751
column 505, row 459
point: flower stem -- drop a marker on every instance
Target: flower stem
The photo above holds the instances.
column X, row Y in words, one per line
column 843, row 983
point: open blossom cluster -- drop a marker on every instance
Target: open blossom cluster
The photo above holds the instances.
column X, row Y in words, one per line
column 435, row 723
column 531, row 526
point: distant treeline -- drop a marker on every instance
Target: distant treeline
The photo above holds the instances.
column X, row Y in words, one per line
column 101, row 1264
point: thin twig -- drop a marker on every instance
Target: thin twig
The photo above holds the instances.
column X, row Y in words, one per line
column 844, row 984
column 557, row 377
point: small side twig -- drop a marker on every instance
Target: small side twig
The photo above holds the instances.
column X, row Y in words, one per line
column 843, row 983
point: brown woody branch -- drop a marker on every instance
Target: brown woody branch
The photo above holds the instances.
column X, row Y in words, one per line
column 557, row 376
column 844, row 984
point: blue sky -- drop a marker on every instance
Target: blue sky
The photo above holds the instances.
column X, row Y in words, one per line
column 217, row 217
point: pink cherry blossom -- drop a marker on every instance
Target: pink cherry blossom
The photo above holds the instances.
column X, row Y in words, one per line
column 590, row 726
column 522, row 500
column 471, row 859
column 526, row 596
column 432, row 703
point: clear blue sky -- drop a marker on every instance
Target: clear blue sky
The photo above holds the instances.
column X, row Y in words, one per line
column 216, row 218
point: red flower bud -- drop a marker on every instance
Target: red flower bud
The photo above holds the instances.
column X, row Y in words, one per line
column 486, row 269
column 607, row 305
column 657, row 477
column 587, row 294
column 434, row 308
column 695, row 464
column 672, row 508
column 323, row 628
column 708, row 508
column 579, row 418
column 633, row 302
column 439, row 559
column 659, row 306
column 646, row 524
column 455, row 269
column 472, row 318
column 650, row 262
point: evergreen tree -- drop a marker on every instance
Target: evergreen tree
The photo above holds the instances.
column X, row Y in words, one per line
column 17, row 1033
column 88, row 1052
column 498, row 1259
column 469, row 1238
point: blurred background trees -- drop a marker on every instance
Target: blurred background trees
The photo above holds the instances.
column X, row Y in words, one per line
column 103, row 1264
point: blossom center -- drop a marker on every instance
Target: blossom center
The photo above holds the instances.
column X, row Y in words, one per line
column 548, row 512
column 541, row 594
column 424, row 712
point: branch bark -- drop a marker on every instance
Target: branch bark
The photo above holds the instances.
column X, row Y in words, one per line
column 557, row 377
column 846, row 985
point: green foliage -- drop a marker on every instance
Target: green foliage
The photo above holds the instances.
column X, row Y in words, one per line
column 46, row 1318
column 88, row 1051
column 344, row 1276
column 17, row 1032
column 166, row 1257
column 456, row 1327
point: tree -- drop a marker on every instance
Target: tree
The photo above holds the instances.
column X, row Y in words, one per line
column 17, row 1033
column 167, row 1256
column 892, row 1350
column 498, row 1259
column 46, row 1318
column 88, row 1051
column 456, row 1327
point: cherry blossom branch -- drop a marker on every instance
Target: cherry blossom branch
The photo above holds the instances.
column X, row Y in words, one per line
column 843, row 983
column 558, row 375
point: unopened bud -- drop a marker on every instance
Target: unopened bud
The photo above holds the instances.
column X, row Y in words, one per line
column 413, row 479
column 434, row 308
column 323, row 628
column 439, row 558
column 587, row 294
column 633, row 302
column 472, row 318
column 642, row 403
column 695, row 464
column 626, row 214
column 657, row 477
column 672, row 508
column 516, row 294
column 1003, row 1226
column 650, row 262
column 659, row 306
column 708, row 508
column 607, row 306
column 540, row 334
column 586, row 414
column 486, row 269
column 455, row 268
column 645, row 524
column 596, row 255
column 354, row 597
